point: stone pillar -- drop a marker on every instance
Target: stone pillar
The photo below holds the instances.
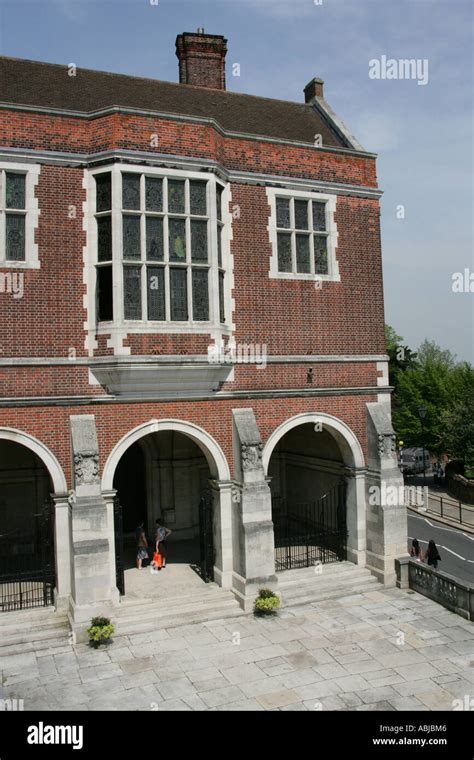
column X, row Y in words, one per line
column 93, row 589
column 62, row 551
column 222, row 494
column 386, row 511
column 254, row 549
column 356, row 516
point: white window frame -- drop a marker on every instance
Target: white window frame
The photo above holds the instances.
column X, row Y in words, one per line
column 330, row 234
column 120, row 327
column 31, row 213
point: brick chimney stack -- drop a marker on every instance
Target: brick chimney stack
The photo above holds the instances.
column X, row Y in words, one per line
column 313, row 89
column 202, row 59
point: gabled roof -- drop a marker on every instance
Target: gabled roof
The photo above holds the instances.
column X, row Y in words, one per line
column 48, row 86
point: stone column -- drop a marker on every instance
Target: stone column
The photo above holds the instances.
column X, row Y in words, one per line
column 356, row 517
column 254, row 548
column 93, row 589
column 222, row 494
column 62, row 551
column 386, row 511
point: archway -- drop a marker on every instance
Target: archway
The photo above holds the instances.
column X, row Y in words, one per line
column 316, row 468
column 168, row 470
column 27, row 558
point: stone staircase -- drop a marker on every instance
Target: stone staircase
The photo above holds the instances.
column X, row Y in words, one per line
column 33, row 630
column 208, row 602
column 338, row 579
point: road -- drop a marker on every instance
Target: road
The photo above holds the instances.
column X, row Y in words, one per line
column 455, row 547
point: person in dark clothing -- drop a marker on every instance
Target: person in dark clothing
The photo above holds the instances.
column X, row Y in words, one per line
column 432, row 554
column 142, row 545
column 415, row 550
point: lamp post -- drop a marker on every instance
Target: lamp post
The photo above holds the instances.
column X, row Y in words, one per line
column 422, row 414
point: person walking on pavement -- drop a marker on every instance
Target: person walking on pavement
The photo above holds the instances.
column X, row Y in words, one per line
column 433, row 555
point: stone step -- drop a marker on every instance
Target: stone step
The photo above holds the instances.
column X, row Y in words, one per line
column 126, row 627
column 312, row 596
column 36, row 635
column 323, row 579
column 30, row 626
column 37, row 615
column 132, row 603
column 49, row 646
column 320, row 584
column 169, row 608
column 339, row 569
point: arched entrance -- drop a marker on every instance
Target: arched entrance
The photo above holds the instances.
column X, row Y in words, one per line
column 313, row 461
column 170, row 471
column 27, row 559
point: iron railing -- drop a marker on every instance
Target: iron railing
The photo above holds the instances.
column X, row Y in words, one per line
column 309, row 533
column 27, row 566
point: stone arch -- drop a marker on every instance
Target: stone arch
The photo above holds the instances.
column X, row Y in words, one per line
column 351, row 449
column 352, row 457
column 212, row 451
column 37, row 447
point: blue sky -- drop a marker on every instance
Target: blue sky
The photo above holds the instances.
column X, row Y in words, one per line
column 423, row 134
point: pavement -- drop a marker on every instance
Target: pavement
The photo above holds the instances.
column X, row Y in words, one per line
column 386, row 649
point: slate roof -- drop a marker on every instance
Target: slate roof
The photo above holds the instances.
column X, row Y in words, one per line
column 48, row 85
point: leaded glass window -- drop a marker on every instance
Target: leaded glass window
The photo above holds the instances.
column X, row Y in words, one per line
column 199, row 245
column 319, row 216
column 302, row 246
column 104, row 238
column 103, row 184
column 154, row 194
column 154, row 238
column 178, row 294
column 221, row 297
column 284, row 252
column 176, row 196
column 156, row 293
column 105, row 311
column 320, row 255
column 302, row 254
column 164, row 245
column 15, row 237
column 132, row 292
column 198, row 197
column 131, row 191
column 301, row 215
column 131, row 237
column 200, row 295
column 177, row 240
column 283, row 212
column 15, row 190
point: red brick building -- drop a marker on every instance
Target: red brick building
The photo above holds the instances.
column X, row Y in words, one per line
column 190, row 298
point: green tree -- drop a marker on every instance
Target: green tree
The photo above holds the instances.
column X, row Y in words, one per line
column 457, row 422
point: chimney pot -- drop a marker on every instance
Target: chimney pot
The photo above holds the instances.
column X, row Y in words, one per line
column 202, row 59
column 314, row 89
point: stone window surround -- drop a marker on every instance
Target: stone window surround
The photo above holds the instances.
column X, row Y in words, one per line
column 31, row 172
column 331, row 228
column 120, row 328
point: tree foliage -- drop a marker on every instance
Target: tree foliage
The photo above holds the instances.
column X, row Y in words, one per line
column 432, row 378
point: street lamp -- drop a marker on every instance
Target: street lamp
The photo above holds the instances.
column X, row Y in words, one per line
column 422, row 414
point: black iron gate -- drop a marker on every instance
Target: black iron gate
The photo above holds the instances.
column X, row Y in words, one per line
column 27, row 564
column 119, row 553
column 206, row 537
column 311, row 532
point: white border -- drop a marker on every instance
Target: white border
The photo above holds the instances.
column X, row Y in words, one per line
column 120, row 328
column 32, row 212
column 331, row 228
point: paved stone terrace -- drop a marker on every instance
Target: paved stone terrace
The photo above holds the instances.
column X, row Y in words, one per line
column 380, row 650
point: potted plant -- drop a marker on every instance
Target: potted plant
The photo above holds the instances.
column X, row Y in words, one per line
column 100, row 631
column 266, row 603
